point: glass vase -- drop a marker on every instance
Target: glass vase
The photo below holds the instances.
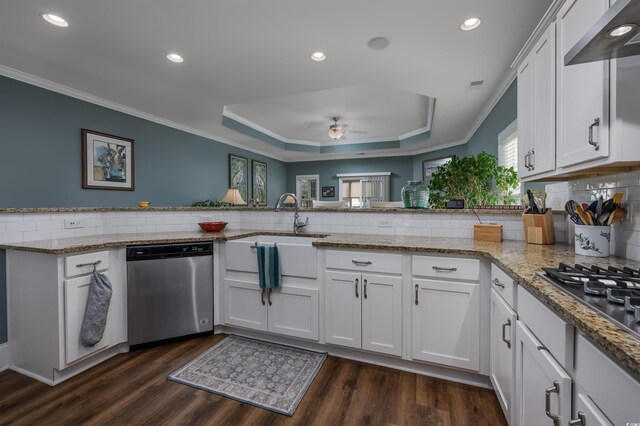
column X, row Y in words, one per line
column 415, row 195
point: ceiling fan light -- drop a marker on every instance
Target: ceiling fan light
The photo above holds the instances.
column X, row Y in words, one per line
column 336, row 132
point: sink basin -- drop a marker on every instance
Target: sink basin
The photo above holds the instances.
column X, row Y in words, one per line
column 298, row 258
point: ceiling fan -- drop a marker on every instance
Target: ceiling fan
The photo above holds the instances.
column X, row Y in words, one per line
column 338, row 131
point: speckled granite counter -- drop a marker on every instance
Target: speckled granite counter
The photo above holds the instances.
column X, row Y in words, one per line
column 518, row 259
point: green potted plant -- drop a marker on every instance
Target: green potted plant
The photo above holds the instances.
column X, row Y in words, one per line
column 476, row 179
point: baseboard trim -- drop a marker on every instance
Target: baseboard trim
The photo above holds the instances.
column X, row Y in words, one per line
column 32, row 375
column 418, row 367
column 4, row 356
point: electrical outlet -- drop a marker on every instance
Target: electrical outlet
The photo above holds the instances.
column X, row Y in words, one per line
column 73, row 223
column 384, row 223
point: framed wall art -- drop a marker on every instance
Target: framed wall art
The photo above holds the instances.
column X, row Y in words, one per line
column 328, row 191
column 239, row 175
column 430, row 166
column 107, row 161
column 259, row 182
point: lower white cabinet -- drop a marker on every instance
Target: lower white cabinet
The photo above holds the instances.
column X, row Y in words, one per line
column 289, row 310
column 587, row 413
column 446, row 323
column 48, row 296
column 364, row 311
column 543, row 387
column 502, row 349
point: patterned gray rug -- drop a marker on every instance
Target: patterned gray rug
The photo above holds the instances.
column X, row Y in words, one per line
column 267, row 375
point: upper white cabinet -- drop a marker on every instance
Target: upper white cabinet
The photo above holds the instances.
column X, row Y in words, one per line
column 583, row 90
column 536, row 107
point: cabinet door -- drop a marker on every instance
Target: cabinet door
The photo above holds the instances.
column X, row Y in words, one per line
column 588, row 412
column 543, row 157
column 343, row 311
column 525, row 82
column 245, row 304
column 502, row 347
column 382, row 314
column 293, row 311
column 583, row 92
column 541, row 383
column 76, row 294
column 446, row 323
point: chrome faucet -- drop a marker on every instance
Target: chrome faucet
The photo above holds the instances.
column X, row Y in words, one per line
column 297, row 224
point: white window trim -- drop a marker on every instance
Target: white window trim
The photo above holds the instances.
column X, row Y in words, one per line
column 509, row 132
column 351, row 176
column 316, row 177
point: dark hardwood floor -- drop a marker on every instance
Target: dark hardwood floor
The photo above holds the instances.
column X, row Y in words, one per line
column 133, row 389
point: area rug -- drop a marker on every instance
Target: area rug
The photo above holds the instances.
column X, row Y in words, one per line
column 267, row 375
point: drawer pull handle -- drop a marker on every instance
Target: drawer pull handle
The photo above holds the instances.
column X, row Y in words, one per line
column 547, row 402
column 269, row 296
column 580, row 421
column 497, row 282
column 357, row 282
column 365, row 289
column 441, row 269
column 594, row 144
column 262, row 297
column 416, row 294
column 97, row 262
column 504, row 339
column 361, row 262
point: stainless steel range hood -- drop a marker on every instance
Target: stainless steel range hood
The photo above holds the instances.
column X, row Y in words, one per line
column 598, row 45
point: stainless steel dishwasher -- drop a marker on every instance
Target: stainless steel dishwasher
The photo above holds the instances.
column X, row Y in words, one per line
column 169, row 291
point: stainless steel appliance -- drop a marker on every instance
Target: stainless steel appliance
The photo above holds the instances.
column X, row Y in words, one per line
column 614, row 292
column 169, row 290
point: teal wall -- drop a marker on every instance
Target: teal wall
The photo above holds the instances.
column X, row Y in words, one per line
column 40, row 159
column 401, row 169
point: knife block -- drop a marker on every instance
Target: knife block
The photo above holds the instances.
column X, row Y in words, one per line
column 538, row 228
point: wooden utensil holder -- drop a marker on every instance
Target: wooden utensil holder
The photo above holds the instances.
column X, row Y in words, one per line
column 487, row 232
column 538, row 228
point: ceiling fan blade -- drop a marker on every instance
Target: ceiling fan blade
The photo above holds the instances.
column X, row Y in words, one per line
column 356, row 132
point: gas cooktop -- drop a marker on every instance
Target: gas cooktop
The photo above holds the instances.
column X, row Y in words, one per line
column 614, row 292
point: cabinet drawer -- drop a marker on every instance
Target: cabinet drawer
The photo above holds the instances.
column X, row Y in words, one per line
column 503, row 285
column 446, row 267
column 364, row 261
column 554, row 333
column 71, row 263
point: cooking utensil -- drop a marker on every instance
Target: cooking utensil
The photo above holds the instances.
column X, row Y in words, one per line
column 602, row 219
column 575, row 219
column 532, row 202
column 617, row 215
column 608, row 206
column 570, row 207
column 592, row 216
column 592, row 207
column 599, row 206
column 617, row 198
column 585, row 206
column 584, row 218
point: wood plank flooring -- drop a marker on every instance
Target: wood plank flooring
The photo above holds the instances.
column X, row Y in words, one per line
column 133, row 389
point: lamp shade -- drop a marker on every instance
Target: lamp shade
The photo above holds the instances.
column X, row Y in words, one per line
column 289, row 200
column 233, row 197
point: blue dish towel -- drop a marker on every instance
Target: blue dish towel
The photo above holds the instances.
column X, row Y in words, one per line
column 268, row 266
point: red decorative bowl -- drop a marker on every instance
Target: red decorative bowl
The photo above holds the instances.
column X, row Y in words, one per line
column 212, row 226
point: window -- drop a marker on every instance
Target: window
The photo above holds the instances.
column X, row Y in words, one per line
column 508, row 151
column 358, row 189
column 307, row 189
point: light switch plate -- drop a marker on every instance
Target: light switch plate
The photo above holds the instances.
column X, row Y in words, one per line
column 384, row 223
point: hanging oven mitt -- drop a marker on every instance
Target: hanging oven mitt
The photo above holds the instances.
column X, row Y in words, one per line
column 95, row 315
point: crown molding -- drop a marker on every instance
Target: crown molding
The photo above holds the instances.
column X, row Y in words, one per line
column 96, row 100
column 547, row 18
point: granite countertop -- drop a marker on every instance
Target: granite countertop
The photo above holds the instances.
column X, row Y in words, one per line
column 517, row 258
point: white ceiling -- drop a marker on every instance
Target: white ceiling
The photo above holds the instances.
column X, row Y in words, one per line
column 239, row 51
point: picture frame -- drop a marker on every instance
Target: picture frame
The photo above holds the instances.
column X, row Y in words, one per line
column 430, row 166
column 259, row 182
column 239, row 175
column 328, row 191
column 107, row 161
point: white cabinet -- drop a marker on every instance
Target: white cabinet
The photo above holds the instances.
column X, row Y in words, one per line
column 289, row 310
column 364, row 311
column 47, row 298
column 446, row 323
column 536, row 107
column 543, row 388
column 583, row 90
column 588, row 413
column 502, row 349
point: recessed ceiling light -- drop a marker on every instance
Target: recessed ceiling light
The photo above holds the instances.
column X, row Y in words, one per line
column 621, row 30
column 174, row 57
column 470, row 24
column 318, row 56
column 378, row 43
column 55, row 20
